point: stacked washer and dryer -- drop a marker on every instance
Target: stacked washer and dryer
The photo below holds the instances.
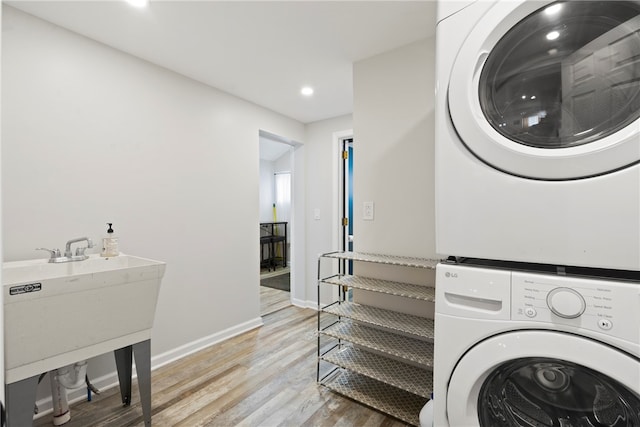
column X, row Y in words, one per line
column 538, row 211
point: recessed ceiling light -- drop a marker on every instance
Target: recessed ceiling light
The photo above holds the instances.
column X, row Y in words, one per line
column 553, row 35
column 553, row 9
column 306, row 91
column 138, row 3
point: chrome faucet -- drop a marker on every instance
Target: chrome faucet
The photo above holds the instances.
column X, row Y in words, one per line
column 79, row 251
column 55, row 254
column 68, row 255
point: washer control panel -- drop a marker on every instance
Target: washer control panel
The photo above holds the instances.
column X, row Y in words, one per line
column 606, row 306
column 565, row 302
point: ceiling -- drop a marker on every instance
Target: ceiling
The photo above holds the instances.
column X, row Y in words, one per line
column 272, row 150
column 261, row 51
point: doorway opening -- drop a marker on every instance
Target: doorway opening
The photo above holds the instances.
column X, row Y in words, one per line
column 276, row 215
column 347, row 198
column 345, row 239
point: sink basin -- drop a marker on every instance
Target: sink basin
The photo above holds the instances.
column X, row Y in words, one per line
column 58, row 314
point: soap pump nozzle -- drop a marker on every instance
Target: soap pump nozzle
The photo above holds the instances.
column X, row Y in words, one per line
column 110, row 230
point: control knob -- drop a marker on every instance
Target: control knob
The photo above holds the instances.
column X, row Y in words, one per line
column 566, row 303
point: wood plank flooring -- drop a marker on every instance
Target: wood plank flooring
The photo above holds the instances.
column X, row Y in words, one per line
column 273, row 300
column 265, row 377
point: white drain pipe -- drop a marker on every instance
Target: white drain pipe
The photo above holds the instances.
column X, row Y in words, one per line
column 73, row 376
column 69, row 377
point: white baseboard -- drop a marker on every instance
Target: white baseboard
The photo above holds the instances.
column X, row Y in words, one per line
column 305, row 304
column 202, row 343
column 45, row 406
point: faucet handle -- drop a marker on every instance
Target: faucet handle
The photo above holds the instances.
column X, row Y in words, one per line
column 55, row 253
column 80, row 251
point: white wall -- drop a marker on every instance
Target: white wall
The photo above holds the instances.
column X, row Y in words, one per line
column 321, row 156
column 92, row 135
column 267, row 182
column 266, row 190
column 2, row 399
column 298, row 254
column 282, row 163
column 393, row 124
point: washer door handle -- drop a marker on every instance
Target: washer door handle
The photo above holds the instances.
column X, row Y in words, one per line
column 479, row 63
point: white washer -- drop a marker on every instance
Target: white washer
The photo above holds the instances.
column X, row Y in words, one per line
column 516, row 348
column 538, row 132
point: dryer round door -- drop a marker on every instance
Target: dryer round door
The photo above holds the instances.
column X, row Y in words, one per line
column 544, row 379
column 550, row 91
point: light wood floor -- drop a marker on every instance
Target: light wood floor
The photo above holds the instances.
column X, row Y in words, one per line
column 265, row 377
column 273, row 300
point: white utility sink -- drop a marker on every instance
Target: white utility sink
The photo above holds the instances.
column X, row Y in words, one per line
column 58, row 314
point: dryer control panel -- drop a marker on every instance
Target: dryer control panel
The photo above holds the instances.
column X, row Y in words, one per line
column 605, row 306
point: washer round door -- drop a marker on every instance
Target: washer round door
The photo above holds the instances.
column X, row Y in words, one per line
column 544, row 379
column 551, row 91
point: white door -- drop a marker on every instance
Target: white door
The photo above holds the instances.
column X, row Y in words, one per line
column 550, row 91
column 545, row 379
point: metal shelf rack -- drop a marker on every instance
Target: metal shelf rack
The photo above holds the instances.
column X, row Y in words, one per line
column 379, row 357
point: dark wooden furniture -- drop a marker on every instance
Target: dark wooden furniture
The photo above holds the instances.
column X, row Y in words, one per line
column 273, row 234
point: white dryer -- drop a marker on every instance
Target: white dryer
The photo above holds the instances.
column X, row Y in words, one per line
column 538, row 132
column 523, row 349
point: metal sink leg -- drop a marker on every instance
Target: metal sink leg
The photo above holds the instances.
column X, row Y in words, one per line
column 142, row 353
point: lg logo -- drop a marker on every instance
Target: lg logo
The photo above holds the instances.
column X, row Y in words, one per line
column 454, row 275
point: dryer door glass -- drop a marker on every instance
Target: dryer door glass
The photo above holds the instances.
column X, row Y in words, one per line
column 566, row 75
column 554, row 393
